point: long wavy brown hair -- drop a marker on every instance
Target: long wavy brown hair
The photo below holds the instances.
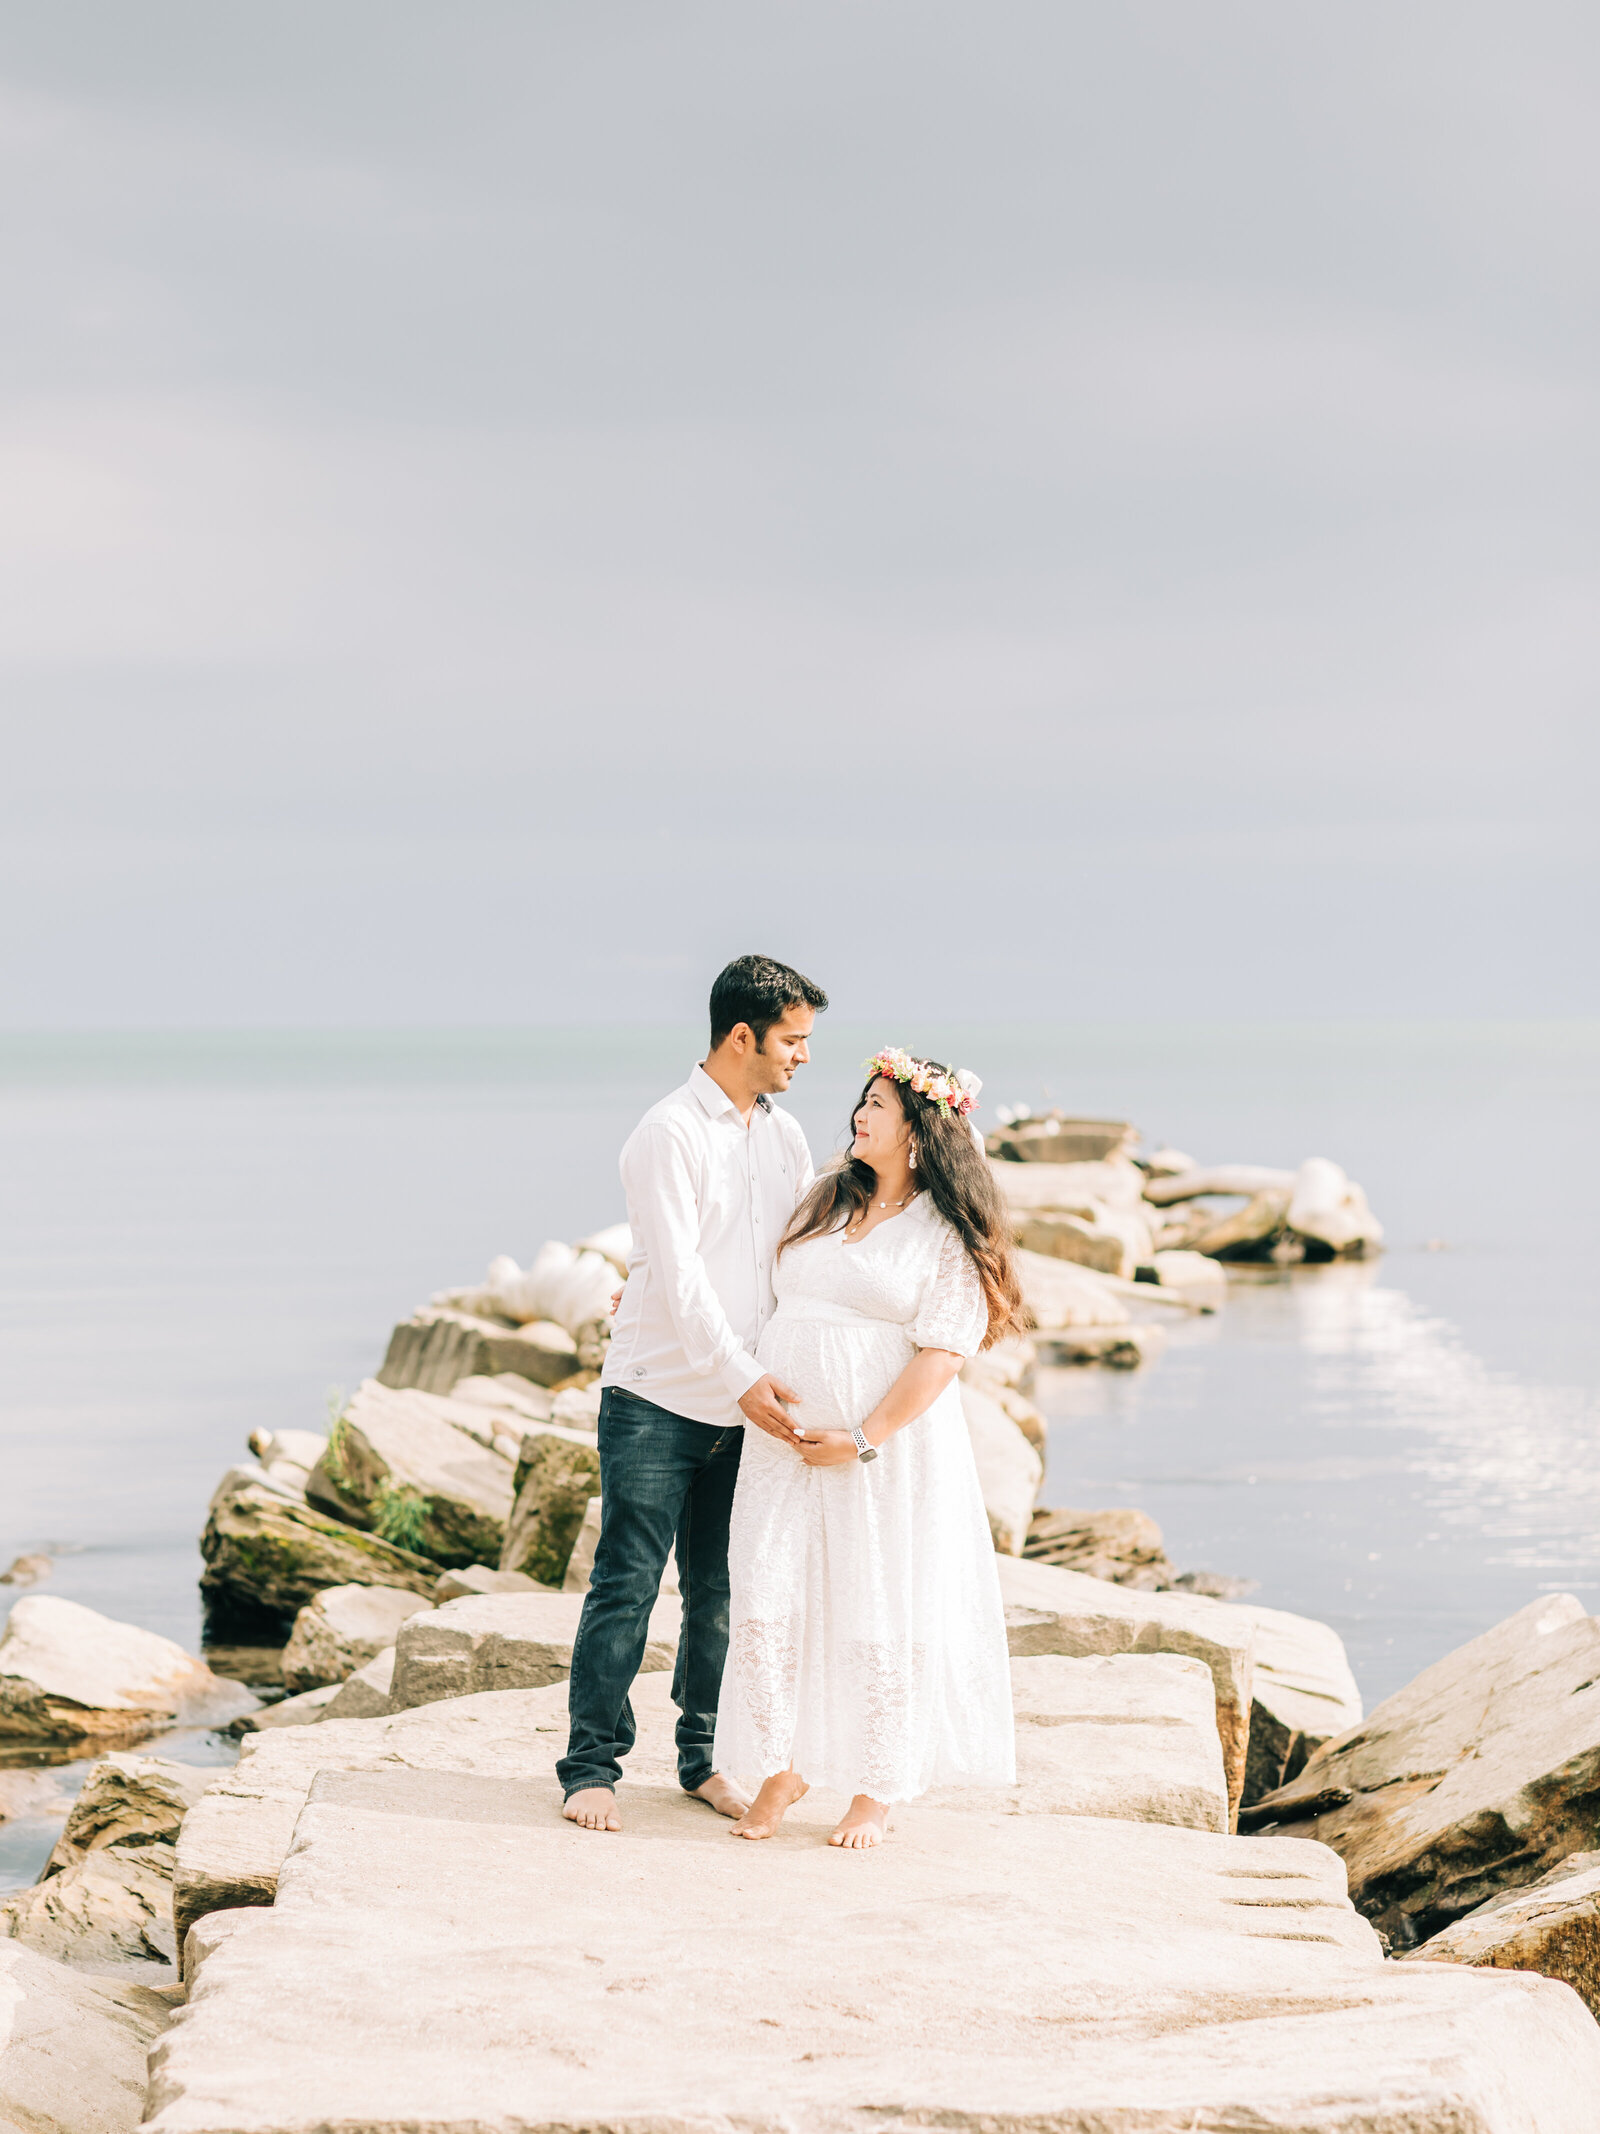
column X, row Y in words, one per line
column 954, row 1173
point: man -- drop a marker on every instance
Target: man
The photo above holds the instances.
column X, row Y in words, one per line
column 712, row 1175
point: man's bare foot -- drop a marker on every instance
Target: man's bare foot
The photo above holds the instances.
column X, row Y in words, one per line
column 865, row 1822
column 592, row 1808
column 720, row 1793
column 777, row 1796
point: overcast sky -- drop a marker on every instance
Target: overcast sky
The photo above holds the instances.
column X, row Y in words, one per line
column 1075, row 509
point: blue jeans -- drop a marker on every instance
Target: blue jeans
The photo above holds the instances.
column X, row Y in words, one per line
column 662, row 1478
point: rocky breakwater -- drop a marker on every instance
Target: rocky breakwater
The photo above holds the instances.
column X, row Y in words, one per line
column 393, row 1928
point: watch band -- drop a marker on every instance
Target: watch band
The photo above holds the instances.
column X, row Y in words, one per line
column 864, row 1451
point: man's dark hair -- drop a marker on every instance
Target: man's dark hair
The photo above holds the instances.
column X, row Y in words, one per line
column 757, row 991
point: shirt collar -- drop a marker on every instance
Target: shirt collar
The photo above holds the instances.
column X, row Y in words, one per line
column 715, row 1102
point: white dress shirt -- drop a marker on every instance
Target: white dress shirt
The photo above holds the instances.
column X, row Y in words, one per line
column 708, row 1200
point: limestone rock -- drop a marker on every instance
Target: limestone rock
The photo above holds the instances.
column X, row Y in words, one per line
column 1250, row 1232
column 127, row 1801
column 508, row 1396
column 558, row 1473
column 1120, row 1348
column 1132, row 1737
column 114, row 1906
column 1332, row 1210
column 438, row 1346
column 303, row 1710
column 577, row 1408
column 25, row 1570
column 399, row 1465
column 1053, row 1137
column 565, row 1285
column 1060, row 1295
column 503, row 1641
column 1225, row 1179
column 1172, row 1979
column 365, row 1695
column 69, row 1674
column 1123, row 1545
column 1304, row 1694
column 1049, row 1610
column 1552, row 1927
column 1069, row 1237
column 73, row 2049
column 614, row 1243
column 341, row 1629
column 1190, row 1272
column 478, row 1578
column 580, row 1564
column 1477, row 1777
column 1009, row 1470
column 265, row 1551
column 1168, row 1163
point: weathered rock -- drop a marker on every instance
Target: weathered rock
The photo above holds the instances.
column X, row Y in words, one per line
column 580, row 1564
column 69, row 1674
column 398, row 1463
column 73, row 2049
column 304, row 1710
column 1332, row 1210
column 365, row 1695
column 1069, row 1237
column 503, row 1641
column 127, row 1802
column 1225, row 1179
column 264, row 1551
column 1249, row 1232
column 1009, row 1469
column 1058, row 1294
column 1168, row 1163
column 557, row 1474
column 341, row 1630
column 1552, row 1927
column 1134, row 1737
column 1123, row 1545
column 1120, row 1348
column 1049, row 1610
column 1190, row 1271
column 113, row 1907
column 1479, row 1776
column 1054, row 1137
column 506, row 1396
column 478, row 1578
column 577, row 1408
column 1072, row 1188
column 565, row 1285
column 437, row 1347
column 1304, row 1694
column 614, row 1243
column 1008, row 1366
column 1174, row 1979
column 25, row 1570
column 294, row 1448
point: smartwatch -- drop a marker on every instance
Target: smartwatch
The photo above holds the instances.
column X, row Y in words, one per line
column 864, row 1451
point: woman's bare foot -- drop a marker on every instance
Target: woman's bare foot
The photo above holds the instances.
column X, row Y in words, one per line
column 592, row 1808
column 777, row 1796
column 720, row 1793
column 865, row 1822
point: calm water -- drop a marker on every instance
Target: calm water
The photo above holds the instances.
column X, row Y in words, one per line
column 201, row 1235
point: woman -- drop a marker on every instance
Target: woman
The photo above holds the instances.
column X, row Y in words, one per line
column 867, row 1645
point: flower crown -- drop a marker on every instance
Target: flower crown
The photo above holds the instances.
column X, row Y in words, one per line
column 954, row 1094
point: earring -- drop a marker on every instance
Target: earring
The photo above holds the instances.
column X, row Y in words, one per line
column 913, row 1155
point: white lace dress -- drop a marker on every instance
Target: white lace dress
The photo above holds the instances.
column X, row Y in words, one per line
column 867, row 1641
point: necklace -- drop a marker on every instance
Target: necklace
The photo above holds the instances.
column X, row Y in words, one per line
column 854, row 1229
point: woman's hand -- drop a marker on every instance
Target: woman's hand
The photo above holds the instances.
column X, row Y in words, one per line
column 826, row 1448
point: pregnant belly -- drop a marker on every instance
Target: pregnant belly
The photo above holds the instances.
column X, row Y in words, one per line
column 840, row 1372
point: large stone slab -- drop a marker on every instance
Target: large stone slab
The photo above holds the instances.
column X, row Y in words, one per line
column 445, row 1954
column 113, row 1907
column 266, row 1550
column 1304, row 1695
column 69, row 1674
column 504, row 1641
column 1477, row 1777
column 1009, row 1469
column 73, row 2049
column 558, row 1471
column 129, row 1802
column 1552, row 1927
column 1049, row 1610
column 437, row 1347
column 401, row 1464
column 1134, row 1737
column 341, row 1630
column 1060, row 1295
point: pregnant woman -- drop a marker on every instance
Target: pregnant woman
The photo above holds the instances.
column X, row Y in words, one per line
column 867, row 1644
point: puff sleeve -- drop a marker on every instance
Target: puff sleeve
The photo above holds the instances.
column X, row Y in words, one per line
column 952, row 1314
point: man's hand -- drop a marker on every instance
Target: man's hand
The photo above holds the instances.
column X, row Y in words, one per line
column 828, row 1448
column 763, row 1405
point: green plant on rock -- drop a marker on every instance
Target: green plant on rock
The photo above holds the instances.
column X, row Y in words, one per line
column 399, row 1514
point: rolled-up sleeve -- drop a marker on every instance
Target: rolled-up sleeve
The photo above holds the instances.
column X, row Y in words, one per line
column 658, row 1177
